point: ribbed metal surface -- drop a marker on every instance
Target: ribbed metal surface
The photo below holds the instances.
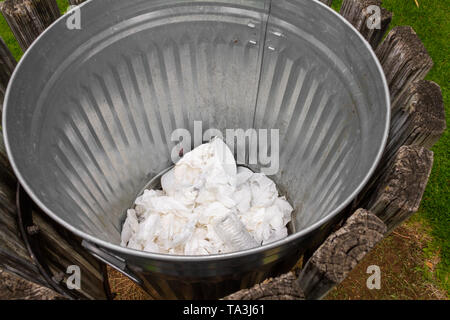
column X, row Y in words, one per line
column 317, row 88
column 95, row 124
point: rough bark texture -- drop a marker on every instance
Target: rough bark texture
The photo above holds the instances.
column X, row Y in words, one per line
column 14, row 256
column 29, row 18
column 400, row 191
column 340, row 253
column 7, row 65
column 7, row 176
column 404, row 60
column 329, row 265
column 15, row 288
column 327, row 2
column 418, row 118
column 76, row 2
column 358, row 14
column 284, row 287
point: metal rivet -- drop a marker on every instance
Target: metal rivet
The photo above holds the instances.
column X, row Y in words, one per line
column 277, row 33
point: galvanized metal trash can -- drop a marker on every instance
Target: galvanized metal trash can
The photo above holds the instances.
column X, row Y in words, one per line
column 89, row 114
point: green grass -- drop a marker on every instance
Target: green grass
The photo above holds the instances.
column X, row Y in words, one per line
column 430, row 21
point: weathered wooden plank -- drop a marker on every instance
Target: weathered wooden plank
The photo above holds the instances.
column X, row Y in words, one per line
column 284, row 287
column 6, row 174
column 21, row 267
column 325, row 230
column 358, row 13
column 418, row 118
column 62, row 249
column 404, row 60
column 7, row 65
column 327, row 2
column 16, row 288
column 14, row 256
column 76, row 2
column 54, row 249
column 29, row 18
column 328, row 266
column 340, row 253
column 400, row 191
